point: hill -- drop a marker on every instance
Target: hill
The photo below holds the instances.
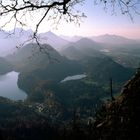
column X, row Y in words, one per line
column 53, row 40
column 41, row 76
column 97, row 64
column 33, row 57
column 81, row 49
column 11, row 39
column 120, row 118
column 104, row 68
column 5, row 66
column 128, row 55
column 122, row 50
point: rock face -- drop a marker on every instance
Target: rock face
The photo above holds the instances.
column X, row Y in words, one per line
column 120, row 119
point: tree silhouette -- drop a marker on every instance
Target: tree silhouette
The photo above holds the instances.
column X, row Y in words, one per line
column 17, row 10
column 111, row 89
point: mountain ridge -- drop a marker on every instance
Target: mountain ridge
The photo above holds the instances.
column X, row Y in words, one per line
column 20, row 37
column 5, row 66
column 113, row 39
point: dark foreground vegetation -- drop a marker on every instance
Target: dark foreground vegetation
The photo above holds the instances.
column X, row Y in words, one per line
column 116, row 120
column 71, row 110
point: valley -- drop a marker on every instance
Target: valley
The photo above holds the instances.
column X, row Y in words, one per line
column 67, row 83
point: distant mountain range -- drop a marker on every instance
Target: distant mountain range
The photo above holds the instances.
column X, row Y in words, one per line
column 106, row 38
column 81, row 49
column 55, row 41
column 71, row 38
column 14, row 38
column 123, row 50
column 30, row 58
column 10, row 41
column 113, row 39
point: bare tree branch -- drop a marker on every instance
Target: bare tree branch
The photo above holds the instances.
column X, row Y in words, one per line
column 17, row 10
column 62, row 7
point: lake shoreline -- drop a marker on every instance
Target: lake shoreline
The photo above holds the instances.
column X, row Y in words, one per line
column 9, row 87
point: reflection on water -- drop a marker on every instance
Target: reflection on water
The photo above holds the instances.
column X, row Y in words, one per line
column 9, row 87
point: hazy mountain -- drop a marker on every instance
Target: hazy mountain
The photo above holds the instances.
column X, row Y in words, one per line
column 73, row 53
column 18, row 37
column 41, row 75
column 3, row 34
column 87, row 43
column 19, row 32
column 101, row 69
column 122, row 50
column 138, row 40
column 81, row 49
column 33, row 57
column 42, row 69
column 7, row 44
column 98, row 65
column 9, row 41
column 5, row 66
column 126, row 55
column 113, row 39
column 71, row 38
column 53, row 40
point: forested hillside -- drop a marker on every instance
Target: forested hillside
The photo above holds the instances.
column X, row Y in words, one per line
column 119, row 119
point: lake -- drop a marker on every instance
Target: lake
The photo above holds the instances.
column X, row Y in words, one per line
column 9, row 87
column 74, row 77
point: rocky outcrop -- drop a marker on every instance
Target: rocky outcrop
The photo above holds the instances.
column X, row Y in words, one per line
column 120, row 119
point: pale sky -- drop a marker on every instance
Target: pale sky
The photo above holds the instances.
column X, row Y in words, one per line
column 98, row 21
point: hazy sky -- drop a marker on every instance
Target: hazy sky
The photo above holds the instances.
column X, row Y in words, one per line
column 98, row 21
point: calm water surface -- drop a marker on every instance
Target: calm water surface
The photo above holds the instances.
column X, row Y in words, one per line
column 74, row 77
column 9, row 87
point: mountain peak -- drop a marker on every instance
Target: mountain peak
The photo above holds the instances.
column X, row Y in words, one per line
column 86, row 40
column 111, row 36
column 50, row 33
column 52, row 39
